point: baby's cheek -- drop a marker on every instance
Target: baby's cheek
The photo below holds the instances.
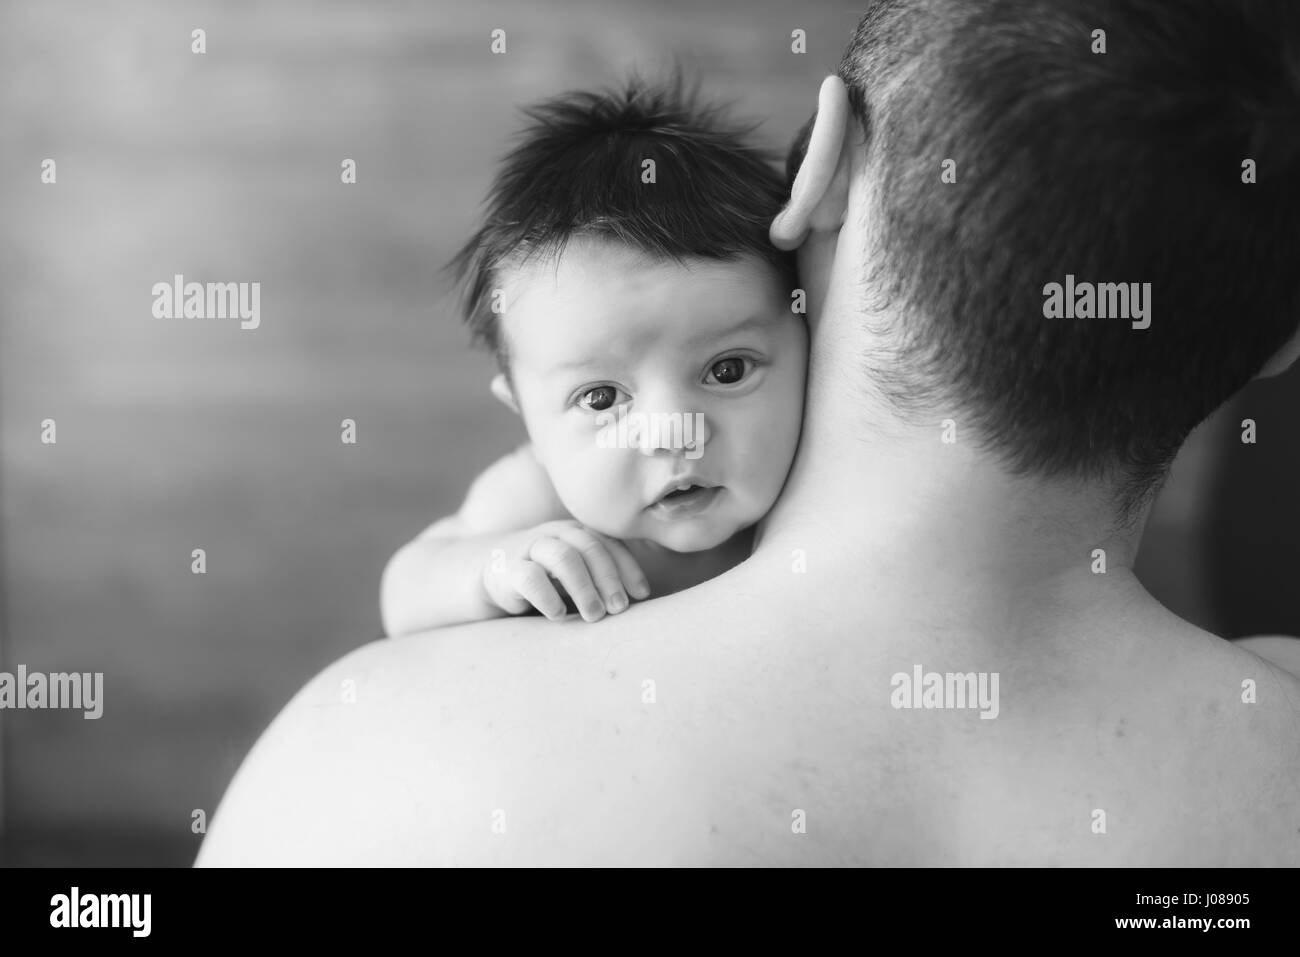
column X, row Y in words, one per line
column 781, row 413
column 791, row 409
column 769, row 448
column 589, row 482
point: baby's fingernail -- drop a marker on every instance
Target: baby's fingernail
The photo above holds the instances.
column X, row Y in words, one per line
column 617, row 602
column 594, row 612
column 642, row 590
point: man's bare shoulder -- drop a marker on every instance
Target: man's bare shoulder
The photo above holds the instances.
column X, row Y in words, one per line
column 1235, row 721
column 1261, row 676
column 1227, row 688
column 381, row 737
column 1280, row 650
column 512, row 741
column 674, row 733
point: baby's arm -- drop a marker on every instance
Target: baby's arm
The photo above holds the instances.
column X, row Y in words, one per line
column 498, row 554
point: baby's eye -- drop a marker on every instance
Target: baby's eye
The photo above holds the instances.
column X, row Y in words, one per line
column 729, row 371
column 598, row 399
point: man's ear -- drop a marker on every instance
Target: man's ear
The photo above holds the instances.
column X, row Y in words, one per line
column 1282, row 359
column 501, row 389
column 820, row 194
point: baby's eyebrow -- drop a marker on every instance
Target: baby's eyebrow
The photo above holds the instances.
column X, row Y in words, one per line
column 574, row 365
column 760, row 321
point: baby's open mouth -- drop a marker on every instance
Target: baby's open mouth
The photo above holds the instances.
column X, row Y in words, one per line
column 679, row 492
column 681, row 502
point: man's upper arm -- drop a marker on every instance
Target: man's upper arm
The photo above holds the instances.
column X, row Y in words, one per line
column 511, row 494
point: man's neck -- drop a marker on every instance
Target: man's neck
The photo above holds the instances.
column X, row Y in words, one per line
column 871, row 494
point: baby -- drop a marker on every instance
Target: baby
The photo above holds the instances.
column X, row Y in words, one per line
column 651, row 340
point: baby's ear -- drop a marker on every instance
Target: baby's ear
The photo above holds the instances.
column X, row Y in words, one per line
column 820, row 194
column 501, row 389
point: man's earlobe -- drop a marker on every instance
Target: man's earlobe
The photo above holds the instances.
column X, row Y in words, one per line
column 1283, row 359
column 820, row 193
column 501, row 389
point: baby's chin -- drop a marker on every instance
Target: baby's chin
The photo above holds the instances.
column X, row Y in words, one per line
column 682, row 536
column 717, row 525
column 691, row 535
column 684, row 539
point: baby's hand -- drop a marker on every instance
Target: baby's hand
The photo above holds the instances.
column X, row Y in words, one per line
column 596, row 571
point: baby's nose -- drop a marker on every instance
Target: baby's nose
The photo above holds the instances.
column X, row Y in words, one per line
column 682, row 433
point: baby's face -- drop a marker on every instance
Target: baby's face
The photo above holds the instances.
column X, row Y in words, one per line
column 637, row 376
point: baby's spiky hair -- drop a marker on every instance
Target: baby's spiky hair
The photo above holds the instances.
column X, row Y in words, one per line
column 577, row 170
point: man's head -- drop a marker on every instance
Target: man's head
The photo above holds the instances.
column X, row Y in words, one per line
column 640, row 317
column 1123, row 166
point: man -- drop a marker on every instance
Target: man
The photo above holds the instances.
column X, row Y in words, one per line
column 938, row 653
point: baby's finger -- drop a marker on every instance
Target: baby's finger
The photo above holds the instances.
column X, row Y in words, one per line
column 565, row 564
column 604, row 570
column 499, row 582
column 530, row 581
column 629, row 569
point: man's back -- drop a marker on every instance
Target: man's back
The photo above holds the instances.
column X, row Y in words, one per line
column 731, row 725
column 970, row 459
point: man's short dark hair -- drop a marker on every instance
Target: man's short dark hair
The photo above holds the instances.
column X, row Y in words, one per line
column 1120, row 166
column 577, row 170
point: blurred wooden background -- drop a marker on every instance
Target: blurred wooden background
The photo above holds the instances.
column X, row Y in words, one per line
column 183, row 434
